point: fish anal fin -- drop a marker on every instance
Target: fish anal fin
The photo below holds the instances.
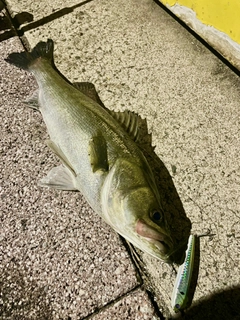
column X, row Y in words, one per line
column 89, row 90
column 98, row 154
column 58, row 152
column 32, row 101
column 59, row 178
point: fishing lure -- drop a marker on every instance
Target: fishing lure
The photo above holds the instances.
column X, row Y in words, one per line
column 184, row 275
column 180, row 294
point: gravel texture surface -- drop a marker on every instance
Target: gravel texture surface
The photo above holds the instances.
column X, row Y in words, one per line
column 139, row 58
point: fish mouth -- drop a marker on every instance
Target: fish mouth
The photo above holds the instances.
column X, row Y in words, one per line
column 162, row 242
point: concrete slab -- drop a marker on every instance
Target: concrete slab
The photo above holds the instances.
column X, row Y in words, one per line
column 58, row 258
column 140, row 58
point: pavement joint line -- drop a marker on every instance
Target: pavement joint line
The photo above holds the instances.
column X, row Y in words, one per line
column 130, row 254
column 112, row 302
column 154, row 304
column 141, row 275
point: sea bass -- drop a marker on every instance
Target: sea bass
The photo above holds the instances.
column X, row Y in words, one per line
column 98, row 153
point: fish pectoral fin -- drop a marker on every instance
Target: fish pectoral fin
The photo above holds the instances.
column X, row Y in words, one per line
column 58, row 152
column 98, row 153
column 32, row 101
column 89, row 90
column 59, row 178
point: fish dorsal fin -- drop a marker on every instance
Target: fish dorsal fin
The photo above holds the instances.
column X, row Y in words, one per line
column 129, row 121
column 89, row 90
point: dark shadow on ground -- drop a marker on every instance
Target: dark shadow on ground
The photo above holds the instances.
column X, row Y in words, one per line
column 175, row 215
column 21, row 297
column 9, row 26
column 222, row 305
column 53, row 16
column 13, row 23
column 6, row 27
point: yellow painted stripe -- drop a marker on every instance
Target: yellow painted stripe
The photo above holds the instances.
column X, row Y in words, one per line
column 221, row 14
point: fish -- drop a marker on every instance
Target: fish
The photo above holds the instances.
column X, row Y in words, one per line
column 179, row 300
column 99, row 154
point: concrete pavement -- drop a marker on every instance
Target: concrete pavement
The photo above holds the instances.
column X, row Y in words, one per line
column 58, row 259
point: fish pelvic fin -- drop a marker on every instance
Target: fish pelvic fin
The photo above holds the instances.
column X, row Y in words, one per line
column 60, row 178
column 23, row 60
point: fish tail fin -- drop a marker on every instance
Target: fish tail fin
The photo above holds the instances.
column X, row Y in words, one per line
column 23, row 60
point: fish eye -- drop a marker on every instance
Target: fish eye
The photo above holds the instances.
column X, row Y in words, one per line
column 157, row 216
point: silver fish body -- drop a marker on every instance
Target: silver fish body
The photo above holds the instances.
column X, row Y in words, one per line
column 99, row 156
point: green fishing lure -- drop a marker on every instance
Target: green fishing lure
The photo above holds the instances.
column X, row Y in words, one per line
column 183, row 280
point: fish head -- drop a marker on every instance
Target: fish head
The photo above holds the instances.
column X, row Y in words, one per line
column 132, row 207
column 145, row 217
